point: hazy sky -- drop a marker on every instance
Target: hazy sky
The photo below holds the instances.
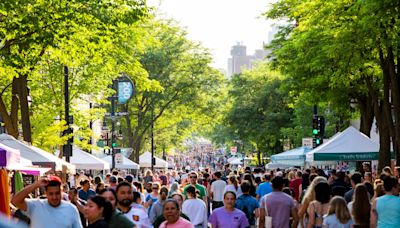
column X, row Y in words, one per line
column 220, row 24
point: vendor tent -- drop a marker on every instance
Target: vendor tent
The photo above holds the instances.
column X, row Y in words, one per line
column 294, row 157
column 35, row 155
column 276, row 166
column 145, row 161
column 236, row 161
column 350, row 145
column 84, row 160
column 125, row 163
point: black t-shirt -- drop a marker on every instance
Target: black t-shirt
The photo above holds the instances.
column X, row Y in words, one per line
column 101, row 223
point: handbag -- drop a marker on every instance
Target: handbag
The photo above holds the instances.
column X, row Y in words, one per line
column 268, row 219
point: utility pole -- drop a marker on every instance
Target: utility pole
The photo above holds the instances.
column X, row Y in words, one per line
column 152, row 142
column 114, row 86
column 67, row 148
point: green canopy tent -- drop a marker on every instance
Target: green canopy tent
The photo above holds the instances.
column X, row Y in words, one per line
column 349, row 145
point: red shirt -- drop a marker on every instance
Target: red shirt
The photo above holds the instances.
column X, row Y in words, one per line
column 294, row 184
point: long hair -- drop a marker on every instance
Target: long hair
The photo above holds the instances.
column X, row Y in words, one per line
column 338, row 206
column 310, row 193
column 102, row 203
column 234, row 181
column 361, row 206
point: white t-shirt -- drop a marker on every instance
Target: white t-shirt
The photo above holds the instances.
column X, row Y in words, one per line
column 138, row 217
column 231, row 187
column 196, row 210
column 43, row 215
column 218, row 188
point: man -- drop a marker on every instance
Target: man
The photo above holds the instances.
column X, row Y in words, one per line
column 124, row 200
column 50, row 212
column 217, row 191
column 385, row 210
column 280, row 206
column 157, row 208
column 295, row 184
column 355, row 179
column 113, row 182
column 247, row 203
column 85, row 193
column 193, row 181
column 264, row 188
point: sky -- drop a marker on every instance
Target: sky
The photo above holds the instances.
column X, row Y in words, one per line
column 220, row 24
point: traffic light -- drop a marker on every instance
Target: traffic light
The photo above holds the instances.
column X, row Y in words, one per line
column 318, row 130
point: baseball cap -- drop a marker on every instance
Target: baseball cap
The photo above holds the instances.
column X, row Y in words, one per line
column 55, row 179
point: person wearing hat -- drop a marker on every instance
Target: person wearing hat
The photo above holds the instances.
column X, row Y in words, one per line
column 50, row 212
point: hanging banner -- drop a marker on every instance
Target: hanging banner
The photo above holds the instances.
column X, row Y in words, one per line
column 125, row 89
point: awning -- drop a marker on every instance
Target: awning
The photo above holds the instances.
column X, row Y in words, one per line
column 145, row 161
column 84, row 160
column 294, row 157
column 123, row 163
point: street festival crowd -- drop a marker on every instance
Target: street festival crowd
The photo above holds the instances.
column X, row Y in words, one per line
column 306, row 198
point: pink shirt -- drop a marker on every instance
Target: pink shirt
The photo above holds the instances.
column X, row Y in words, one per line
column 181, row 223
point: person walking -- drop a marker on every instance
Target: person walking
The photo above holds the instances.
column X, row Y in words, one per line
column 319, row 207
column 157, row 208
column 85, row 192
column 265, row 187
column 195, row 208
column 338, row 214
column 360, row 207
column 247, row 203
column 117, row 220
column 385, row 211
column 98, row 212
column 50, row 212
column 171, row 212
column 278, row 205
column 228, row 215
column 217, row 191
column 233, row 185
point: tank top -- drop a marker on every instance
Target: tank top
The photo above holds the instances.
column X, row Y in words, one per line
column 388, row 209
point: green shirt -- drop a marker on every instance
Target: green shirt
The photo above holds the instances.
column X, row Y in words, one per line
column 118, row 220
column 201, row 188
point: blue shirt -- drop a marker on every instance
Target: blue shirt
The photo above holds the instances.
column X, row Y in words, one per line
column 86, row 195
column 388, row 209
column 263, row 189
column 247, row 204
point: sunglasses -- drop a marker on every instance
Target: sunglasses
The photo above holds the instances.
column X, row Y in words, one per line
column 193, row 177
column 155, row 188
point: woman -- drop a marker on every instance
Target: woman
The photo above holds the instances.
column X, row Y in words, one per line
column 117, row 220
column 360, row 207
column 152, row 197
column 171, row 212
column 148, row 177
column 319, row 207
column 253, row 187
column 174, row 189
column 99, row 187
column 233, row 186
column 338, row 215
column 379, row 191
column 195, row 208
column 228, row 215
column 98, row 211
column 308, row 197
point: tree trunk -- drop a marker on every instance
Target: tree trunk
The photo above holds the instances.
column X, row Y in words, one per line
column 367, row 114
column 23, row 98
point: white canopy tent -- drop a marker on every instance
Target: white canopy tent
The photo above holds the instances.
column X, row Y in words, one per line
column 145, row 161
column 125, row 164
column 236, row 161
column 349, row 145
column 293, row 157
column 84, row 160
column 36, row 155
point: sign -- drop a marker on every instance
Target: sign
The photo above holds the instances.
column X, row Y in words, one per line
column 308, row 142
column 107, row 114
column 125, row 90
column 119, row 158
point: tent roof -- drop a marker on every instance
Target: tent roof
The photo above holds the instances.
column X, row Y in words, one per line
column 236, row 161
column 126, row 163
column 35, row 155
column 84, row 160
column 145, row 161
column 349, row 145
column 294, row 157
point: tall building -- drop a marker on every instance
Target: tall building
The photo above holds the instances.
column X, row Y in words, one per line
column 240, row 60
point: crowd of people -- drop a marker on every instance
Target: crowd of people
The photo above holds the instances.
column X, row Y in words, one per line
column 306, row 198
